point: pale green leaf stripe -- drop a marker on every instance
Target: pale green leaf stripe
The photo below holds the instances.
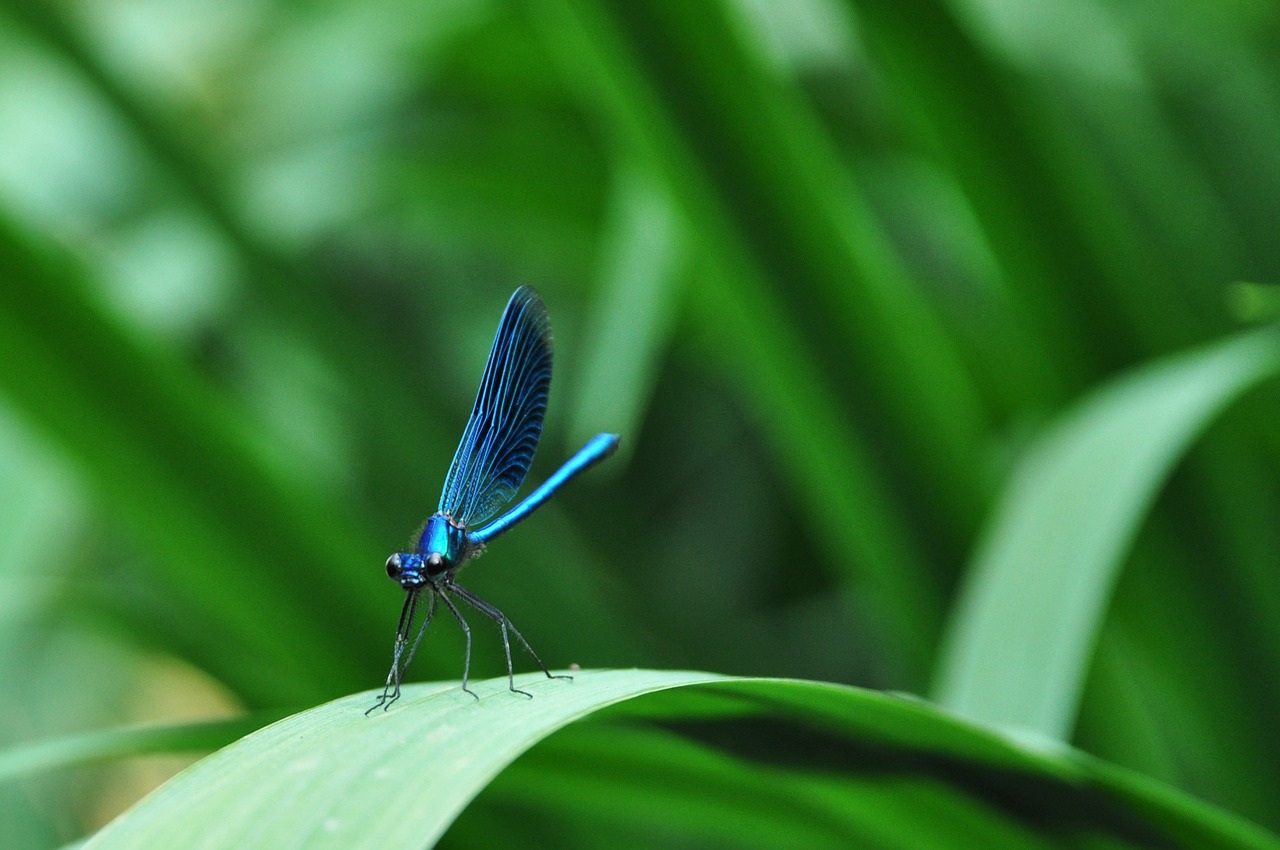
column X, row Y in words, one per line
column 108, row 744
column 332, row 777
column 634, row 317
column 1023, row 631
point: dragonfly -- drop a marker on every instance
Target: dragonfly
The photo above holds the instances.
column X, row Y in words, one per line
column 488, row 468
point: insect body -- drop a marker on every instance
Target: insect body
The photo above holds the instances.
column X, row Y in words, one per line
column 488, row 468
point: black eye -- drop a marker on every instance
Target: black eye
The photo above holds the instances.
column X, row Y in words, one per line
column 393, row 566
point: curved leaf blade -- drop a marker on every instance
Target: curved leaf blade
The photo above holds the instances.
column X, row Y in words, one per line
column 1023, row 630
column 331, row 777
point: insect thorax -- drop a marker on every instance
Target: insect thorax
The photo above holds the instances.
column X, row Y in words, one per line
column 440, row 535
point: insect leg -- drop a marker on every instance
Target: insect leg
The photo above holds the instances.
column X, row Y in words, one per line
column 492, row 612
column 466, row 630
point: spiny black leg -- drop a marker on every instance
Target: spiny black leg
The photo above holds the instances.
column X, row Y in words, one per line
column 391, row 690
column 492, row 612
column 496, row 615
column 431, row 612
column 466, row 630
column 385, row 700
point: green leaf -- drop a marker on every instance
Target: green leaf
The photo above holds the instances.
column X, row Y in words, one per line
column 1027, row 621
column 825, row 762
column 108, row 744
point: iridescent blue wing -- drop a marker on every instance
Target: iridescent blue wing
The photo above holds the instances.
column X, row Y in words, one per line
column 506, row 422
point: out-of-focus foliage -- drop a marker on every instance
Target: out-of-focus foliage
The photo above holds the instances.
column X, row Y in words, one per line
column 834, row 269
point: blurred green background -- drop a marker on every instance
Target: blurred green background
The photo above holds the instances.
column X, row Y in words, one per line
column 828, row 267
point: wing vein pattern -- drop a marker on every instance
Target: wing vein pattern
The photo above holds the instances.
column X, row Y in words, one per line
column 502, row 434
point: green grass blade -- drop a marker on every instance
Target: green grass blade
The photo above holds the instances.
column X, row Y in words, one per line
column 849, row 764
column 850, row 513
column 755, row 332
column 109, row 744
column 757, row 175
column 634, row 319
column 1025, row 626
column 297, row 292
column 969, row 113
column 174, row 464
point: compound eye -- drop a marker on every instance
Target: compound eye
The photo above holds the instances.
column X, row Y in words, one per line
column 393, row 566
